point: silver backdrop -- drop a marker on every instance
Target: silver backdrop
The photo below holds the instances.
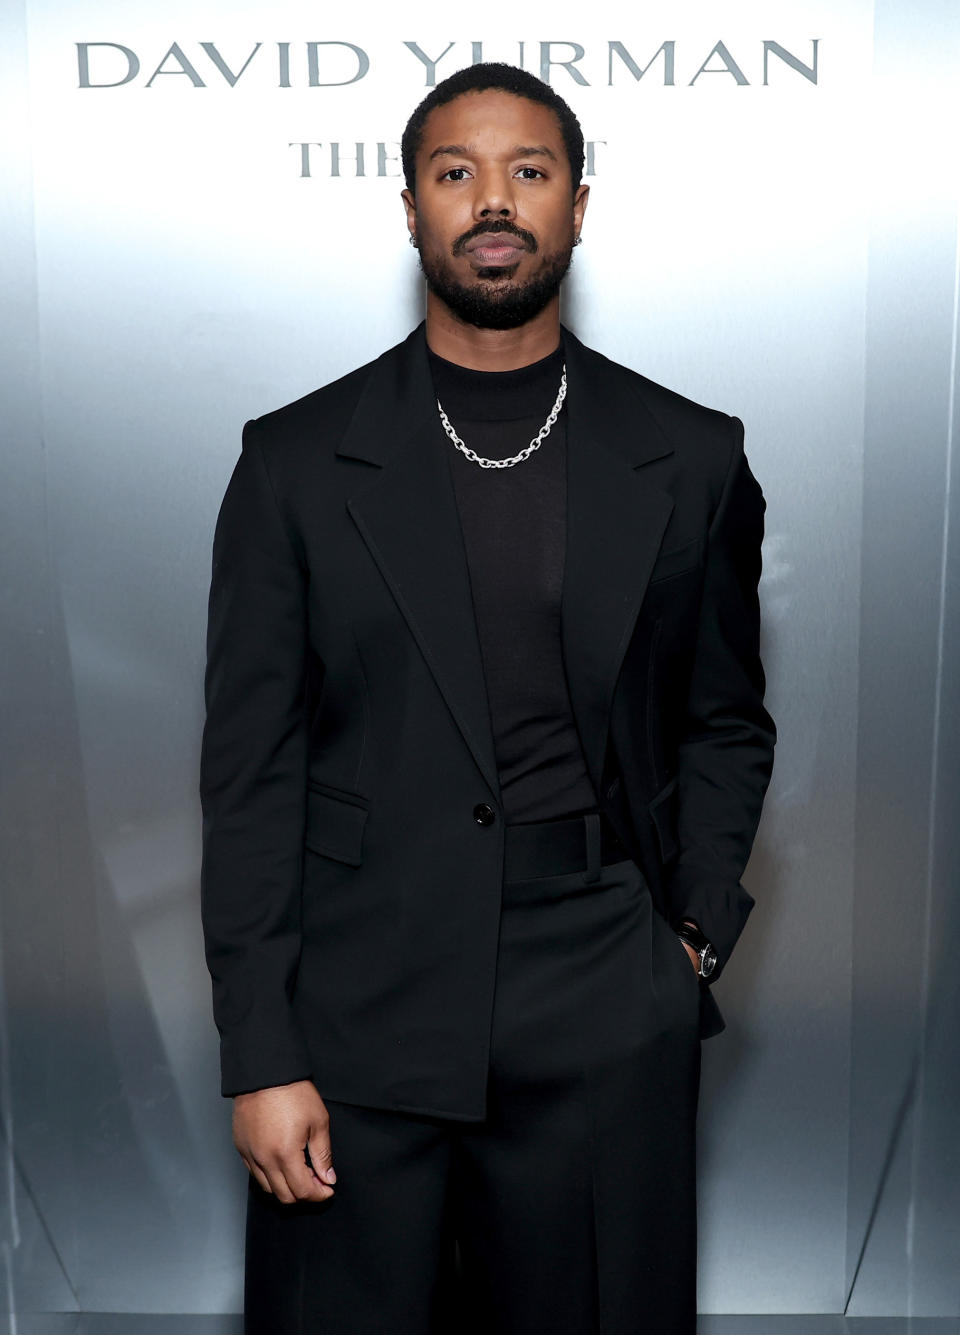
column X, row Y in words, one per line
column 773, row 231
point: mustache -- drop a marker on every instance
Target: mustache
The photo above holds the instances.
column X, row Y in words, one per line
column 527, row 239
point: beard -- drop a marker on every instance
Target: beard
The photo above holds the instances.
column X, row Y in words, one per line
column 493, row 301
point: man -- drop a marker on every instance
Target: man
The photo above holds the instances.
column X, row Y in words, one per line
column 485, row 732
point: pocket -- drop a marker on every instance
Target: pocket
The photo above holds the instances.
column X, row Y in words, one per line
column 682, row 960
column 677, row 561
column 663, row 813
column 686, row 960
column 335, row 824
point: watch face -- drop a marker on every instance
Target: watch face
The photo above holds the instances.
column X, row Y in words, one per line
column 708, row 962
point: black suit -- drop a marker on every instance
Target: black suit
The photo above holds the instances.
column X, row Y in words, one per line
column 508, row 1062
column 351, row 898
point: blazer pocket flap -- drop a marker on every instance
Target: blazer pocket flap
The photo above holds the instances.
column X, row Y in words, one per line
column 335, row 826
column 677, row 561
column 663, row 813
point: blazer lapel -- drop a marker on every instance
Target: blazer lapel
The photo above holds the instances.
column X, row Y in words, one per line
column 407, row 515
column 616, row 520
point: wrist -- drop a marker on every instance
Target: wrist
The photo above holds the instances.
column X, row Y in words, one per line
column 701, row 951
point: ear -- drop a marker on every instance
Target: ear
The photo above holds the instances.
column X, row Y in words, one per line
column 410, row 205
column 579, row 207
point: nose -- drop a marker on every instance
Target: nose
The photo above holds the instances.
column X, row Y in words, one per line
column 494, row 198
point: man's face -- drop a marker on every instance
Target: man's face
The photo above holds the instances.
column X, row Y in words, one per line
column 495, row 216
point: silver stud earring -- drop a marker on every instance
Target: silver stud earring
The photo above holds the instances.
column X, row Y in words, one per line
column 412, row 239
column 578, row 240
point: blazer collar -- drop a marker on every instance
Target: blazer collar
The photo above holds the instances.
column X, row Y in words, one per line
column 407, row 514
column 601, row 403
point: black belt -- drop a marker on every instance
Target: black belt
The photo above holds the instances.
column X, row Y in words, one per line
column 584, row 842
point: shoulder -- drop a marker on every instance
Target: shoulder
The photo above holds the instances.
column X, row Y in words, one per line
column 703, row 441
column 678, row 415
column 706, row 441
column 675, row 413
column 323, row 413
column 697, row 450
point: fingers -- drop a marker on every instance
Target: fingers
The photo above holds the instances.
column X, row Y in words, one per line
column 305, row 1184
column 290, row 1178
column 320, row 1153
column 283, row 1136
column 257, row 1173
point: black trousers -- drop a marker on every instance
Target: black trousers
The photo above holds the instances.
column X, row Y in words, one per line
column 571, row 1208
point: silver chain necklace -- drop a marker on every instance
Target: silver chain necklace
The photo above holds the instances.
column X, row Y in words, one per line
column 524, row 453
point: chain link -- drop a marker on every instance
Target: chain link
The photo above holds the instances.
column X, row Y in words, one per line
column 524, row 453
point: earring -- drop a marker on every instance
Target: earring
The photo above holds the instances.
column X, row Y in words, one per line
column 413, row 240
column 578, row 240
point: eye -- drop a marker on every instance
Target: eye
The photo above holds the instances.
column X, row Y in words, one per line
column 531, row 173
column 450, row 175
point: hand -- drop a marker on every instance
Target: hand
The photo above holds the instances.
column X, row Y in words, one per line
column 271, row 1129
column 694, row 957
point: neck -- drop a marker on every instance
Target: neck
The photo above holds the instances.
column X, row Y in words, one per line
column 491, row 349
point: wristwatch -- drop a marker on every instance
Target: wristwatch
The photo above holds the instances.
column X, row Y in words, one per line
column 693, row 936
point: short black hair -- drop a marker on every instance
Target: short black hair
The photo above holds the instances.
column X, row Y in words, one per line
column 477, row 79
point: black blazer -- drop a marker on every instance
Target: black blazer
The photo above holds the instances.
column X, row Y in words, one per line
column 350, row 897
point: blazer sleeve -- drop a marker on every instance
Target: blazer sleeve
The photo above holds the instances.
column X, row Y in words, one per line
column 253, row 781
column 726, row 756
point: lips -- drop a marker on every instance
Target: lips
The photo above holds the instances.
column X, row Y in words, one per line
column 492, row 248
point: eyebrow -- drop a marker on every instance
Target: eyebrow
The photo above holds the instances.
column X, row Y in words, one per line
column 521, row 151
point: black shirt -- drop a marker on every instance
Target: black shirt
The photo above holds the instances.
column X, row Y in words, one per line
column 514, row 529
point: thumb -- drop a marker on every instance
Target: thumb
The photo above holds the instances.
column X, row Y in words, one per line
column 321, row 1155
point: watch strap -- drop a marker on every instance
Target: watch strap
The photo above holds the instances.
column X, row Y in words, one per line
column 694, row 937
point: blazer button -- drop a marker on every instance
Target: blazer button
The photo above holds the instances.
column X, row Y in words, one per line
column 484, row 814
